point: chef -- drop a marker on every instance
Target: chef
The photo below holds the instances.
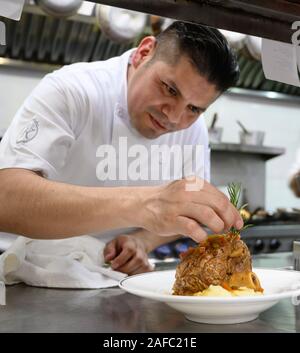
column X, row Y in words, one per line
column 64, row 169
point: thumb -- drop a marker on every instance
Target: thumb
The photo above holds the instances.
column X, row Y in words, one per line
column 110, row 251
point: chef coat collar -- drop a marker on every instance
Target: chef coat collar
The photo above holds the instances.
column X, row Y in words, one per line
column 122, row 105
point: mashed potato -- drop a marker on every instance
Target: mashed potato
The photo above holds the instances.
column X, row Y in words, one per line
column 218, row 291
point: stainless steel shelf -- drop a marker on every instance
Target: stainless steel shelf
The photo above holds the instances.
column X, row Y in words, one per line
column 264, row 95
column 265, row 151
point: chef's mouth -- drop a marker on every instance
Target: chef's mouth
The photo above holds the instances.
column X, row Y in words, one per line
column 157, row 124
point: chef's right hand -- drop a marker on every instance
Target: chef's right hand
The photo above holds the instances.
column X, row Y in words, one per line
column 174, row 209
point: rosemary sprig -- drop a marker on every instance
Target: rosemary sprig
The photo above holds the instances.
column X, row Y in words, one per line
column 234, row 191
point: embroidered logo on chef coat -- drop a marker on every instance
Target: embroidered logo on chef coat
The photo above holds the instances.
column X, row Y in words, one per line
column 29, row 133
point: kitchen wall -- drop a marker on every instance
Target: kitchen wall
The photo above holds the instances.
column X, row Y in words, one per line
column 15, row 85
column 280, row 121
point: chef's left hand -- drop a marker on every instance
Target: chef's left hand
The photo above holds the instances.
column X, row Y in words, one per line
column 127, row 254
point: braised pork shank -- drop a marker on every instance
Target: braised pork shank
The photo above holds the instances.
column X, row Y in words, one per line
column 220, row 260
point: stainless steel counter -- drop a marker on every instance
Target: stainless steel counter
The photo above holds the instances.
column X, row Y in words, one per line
column 31, row 309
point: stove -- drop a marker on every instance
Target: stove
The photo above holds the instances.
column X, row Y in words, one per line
column 260, row 239
column 272, row 237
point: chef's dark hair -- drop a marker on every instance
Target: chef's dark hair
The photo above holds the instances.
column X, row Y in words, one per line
column 206, row 47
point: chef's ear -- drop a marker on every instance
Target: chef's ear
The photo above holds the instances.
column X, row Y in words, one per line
column 144, row 51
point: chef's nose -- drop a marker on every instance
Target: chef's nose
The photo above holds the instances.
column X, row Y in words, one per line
column 174, row 113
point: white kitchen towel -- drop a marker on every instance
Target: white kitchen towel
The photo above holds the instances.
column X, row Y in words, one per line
column 66, row 263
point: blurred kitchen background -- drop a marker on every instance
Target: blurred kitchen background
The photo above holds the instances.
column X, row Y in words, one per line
column 254, row 128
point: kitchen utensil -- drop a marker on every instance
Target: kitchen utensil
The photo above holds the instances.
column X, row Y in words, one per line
column 253, row 45
column 215, row 133
column 214, row 120
column 59, row 8
column 250, row 137
column 120, row 25
column 255, row 138
column 277, row 284
column 243, row 127
column 287, row 214
column 235, row 39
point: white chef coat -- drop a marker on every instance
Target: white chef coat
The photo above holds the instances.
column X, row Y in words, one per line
column 72, row 112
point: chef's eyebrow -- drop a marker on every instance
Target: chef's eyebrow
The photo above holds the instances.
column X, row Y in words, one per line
column 174, row 86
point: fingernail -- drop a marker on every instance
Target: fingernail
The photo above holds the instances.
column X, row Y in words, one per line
column 114, row 265
column 239, row 224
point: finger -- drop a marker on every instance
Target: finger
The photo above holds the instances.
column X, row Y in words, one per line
column 110, row 251
column 223, row 200
column 125, row 255
column 222, row 206
column 136, row 265
column 148, row 268
column 204, row 215
column 130, row 267
column 239, row 224
column 190, row 228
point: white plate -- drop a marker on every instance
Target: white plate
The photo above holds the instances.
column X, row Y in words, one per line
column 278, row 284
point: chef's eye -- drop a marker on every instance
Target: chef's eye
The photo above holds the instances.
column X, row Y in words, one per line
column 194, row 109
column 169, row 89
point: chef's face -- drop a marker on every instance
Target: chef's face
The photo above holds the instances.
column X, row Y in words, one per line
column 165, row 97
